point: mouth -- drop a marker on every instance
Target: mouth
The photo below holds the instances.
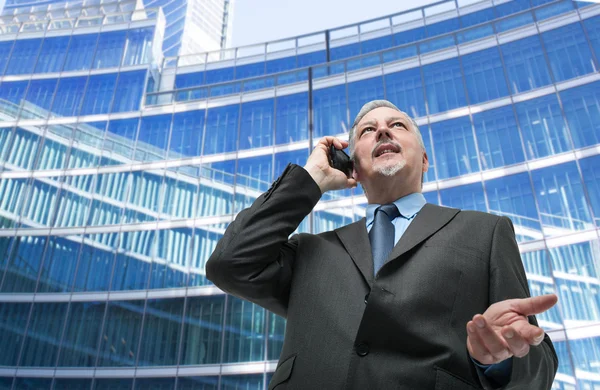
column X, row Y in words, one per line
column 386, row 148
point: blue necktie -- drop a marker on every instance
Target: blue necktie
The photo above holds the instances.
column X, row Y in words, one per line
column 382, row 234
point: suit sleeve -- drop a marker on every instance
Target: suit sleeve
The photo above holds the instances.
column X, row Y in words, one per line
column 254, row 259
column 508, row 281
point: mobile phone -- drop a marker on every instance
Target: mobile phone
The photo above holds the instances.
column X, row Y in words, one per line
column 338, row 159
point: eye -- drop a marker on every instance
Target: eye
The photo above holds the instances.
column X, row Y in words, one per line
column 367, row 129
column 398, row 124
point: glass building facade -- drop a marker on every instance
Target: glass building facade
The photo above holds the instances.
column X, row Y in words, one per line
column 120, row 169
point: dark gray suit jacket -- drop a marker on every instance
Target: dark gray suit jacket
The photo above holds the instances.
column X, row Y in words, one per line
column 404, row 328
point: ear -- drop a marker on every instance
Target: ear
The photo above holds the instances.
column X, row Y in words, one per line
column 425, row 162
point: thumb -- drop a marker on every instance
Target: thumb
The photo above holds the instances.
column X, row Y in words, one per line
column 534, row 305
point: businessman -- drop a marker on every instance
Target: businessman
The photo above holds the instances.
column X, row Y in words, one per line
column 414, row 296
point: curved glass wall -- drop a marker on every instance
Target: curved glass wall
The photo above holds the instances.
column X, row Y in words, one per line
column 120, row 170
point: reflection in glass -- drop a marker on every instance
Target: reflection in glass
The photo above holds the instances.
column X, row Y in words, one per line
column 120, row 336
column 13, row 317
column 405, row 90
column 203, row 324
column 80, row 340
column 291, row 118
column 363, row 91
column 43, row 334
column 484, row 75
column 256, row 128
column 582, row 109
column 444, row 86
column 568, row 52
column 525, row 64
column 330, row 116
column 245, row 332
column 561, row 201
column 455, row 152
column 162, row 329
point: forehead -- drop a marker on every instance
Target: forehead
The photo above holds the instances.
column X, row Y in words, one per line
column 381, row 114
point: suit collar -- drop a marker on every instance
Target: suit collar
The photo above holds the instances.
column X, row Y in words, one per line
column 355, row 239
column 429, row 220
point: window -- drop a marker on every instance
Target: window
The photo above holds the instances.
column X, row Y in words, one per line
column 444, row 86
column 455, row 152
column 568, row 51
column 525, row 64
column 582, row 109
column 484, row 75
column 330, row 116
column 405, row 90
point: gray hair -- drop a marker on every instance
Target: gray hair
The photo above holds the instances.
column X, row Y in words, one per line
column 370, row 106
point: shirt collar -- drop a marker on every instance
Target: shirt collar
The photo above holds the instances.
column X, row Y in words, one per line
column 408, row 206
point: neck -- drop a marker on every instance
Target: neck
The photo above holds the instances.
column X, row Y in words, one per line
column 381, row 192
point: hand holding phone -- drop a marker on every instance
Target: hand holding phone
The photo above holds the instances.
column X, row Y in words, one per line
column 338, row 159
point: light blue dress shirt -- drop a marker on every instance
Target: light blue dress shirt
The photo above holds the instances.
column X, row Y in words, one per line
column 409, row 206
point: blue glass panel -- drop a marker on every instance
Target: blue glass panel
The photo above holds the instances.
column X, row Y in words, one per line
column 225, row 89
column 219, row 75
column 121, row 334
column 543, row 127
column 246, row 382
column 454, row 148
column 257, row 119
column 249, row 70
column 72, row 384
column 512, row 196
column 40, row 347
column 40, row 94
column 477, row 17
column 244, row 332
column 591, row 178
column 467, row 197
column 557, row 8
column 276, row 326
column 24, row 56
column 110, row 49
column 586, row 352
column 426, row 135
column 145, row 192
column 568, row 52
column 582, row 109
column 313, row 58
column 561, row 199
column 475, row 33
column 99, row 94
column 121, row 136
column 292, row 118
column 52, row 55
column 154, row 384
column 498, row 138
column 95, row 264
column 484, row 75
column 577, row 279
column 592, row 27
column 58, row 269
column 69, row 95
column 187, row 134
column 345, row 51
column 282, row 159
column 416, row 34
column 444, row 86
column 442, row 27
column 5, row 50
column 363, row 61
column 32, row 383
column 186, row 80
column 139, row 46
column 431, row 197
column 13, row 92
column 199, row 382
column 13, row 317
column 363, row 91
column 330, row 116
column 525, row 64
column 399, row 53
column 81, row 52
column 6, row 383
column 113, row 384
column 513, row 22
column 280, row 65
column 132, row 272
column 203, row 323
column 255, row 172
column 511, row 7
column 172, row 252
column 376, row 44
column 221, row 130
column 153, row 137
column 23, row 265
column 162, row 330
column 436, row 44
column 131, row 87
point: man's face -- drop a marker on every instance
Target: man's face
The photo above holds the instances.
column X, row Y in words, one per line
column 386, row 145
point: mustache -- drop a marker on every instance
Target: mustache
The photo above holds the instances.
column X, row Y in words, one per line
column 388, row 142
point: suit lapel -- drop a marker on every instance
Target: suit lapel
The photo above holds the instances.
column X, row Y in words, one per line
column 356, row 241
column 429, row 220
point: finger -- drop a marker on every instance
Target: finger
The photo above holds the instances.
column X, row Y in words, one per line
column 534, row 305
column 476, row 347
column 492, row 341
column 517, row 345
column 532, row 334
column 352, row 183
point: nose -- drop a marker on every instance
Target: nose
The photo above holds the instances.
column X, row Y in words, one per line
column 383, row 130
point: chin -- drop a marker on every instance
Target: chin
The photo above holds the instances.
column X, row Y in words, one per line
column 390, row 169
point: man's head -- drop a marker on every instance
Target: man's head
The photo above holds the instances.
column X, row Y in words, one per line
column 388, row 151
